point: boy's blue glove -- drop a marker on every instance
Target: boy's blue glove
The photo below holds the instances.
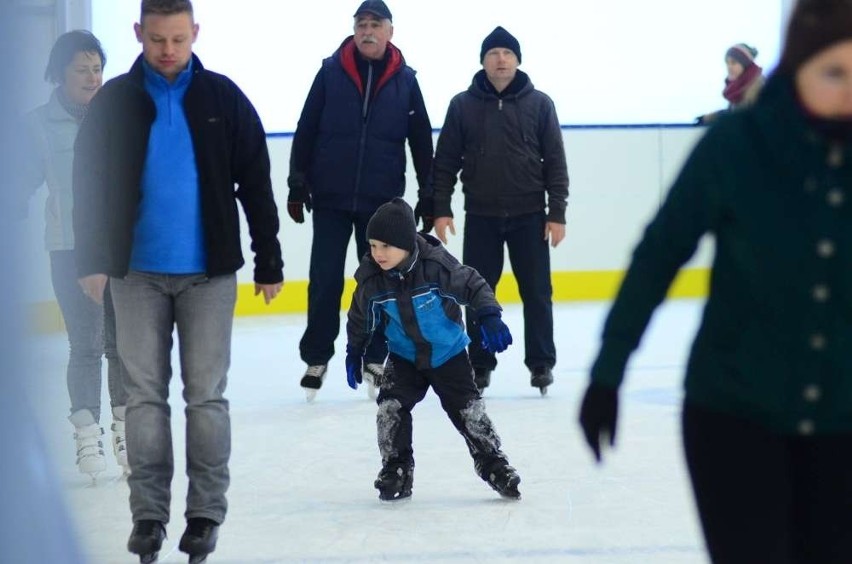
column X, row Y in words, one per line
column 495, row 334
column 353, row 367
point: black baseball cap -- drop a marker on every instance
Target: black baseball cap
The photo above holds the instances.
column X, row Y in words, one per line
column 375, row 7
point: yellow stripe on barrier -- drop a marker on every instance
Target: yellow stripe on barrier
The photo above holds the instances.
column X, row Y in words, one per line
column 567, row 287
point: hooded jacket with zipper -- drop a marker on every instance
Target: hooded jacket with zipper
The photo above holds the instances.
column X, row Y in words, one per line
column 419, row 304
column 231, row 157
column 349, row 146
column 509, row 149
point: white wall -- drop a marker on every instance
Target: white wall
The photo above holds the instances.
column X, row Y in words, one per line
column 618, row 178
column 602, row 61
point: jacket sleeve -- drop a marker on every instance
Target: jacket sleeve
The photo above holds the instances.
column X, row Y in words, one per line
column 358, row 324
column 251, row 174
column 420, row 141
column 90, row 213
column 33, row 163
column 555, row 164
column 448, row 161
column 304, row 138
column 464, row 284
column 689, row 211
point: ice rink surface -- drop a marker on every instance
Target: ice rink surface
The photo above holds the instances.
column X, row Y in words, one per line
column 302, row 474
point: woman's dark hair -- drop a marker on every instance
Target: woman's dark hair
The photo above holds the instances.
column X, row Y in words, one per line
column 66, row 47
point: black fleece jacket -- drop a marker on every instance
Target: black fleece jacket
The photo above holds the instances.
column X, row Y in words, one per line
column 231, row 157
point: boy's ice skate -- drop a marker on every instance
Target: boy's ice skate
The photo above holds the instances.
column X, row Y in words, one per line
column 199, row 539
column 541, row 377
column 119, row 445
column 373, row 373
column 394, row 482
column 503, row 479
column 313, row 379
column 146, row 539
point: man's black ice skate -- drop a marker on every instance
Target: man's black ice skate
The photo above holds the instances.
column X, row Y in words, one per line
column 541, row 377
column 146, row 539
column 313, row 379
column 394, row 482
column 504, row 480
column 199, row 538
column 482, row 378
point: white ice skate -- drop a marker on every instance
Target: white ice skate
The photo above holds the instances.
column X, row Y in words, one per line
column 373, row 373
column 90, row 450
column 119, row 446
column 313, row 379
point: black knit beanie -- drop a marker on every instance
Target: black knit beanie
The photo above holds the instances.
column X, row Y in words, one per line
column 500, row 38
column 393, row 223
column 814, row 25
column 742, row 53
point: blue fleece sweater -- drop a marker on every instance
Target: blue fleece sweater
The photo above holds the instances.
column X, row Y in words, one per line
column 168, row 237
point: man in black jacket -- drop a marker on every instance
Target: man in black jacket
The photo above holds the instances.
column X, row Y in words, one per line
column 348, row 158
column 155, row 210
column 504, row 137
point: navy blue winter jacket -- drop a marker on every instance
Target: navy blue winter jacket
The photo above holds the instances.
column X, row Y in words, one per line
column 349, row 145
column 419, row 304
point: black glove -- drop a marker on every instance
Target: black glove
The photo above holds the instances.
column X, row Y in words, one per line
column 495, row 334
column 299, row 198
column 353, row 367
column 425, row 209
column 598, row 416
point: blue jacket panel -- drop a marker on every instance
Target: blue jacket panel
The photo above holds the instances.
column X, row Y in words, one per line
column 419, row 304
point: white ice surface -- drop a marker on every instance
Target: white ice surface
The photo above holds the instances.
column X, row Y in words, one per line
column 302, row 474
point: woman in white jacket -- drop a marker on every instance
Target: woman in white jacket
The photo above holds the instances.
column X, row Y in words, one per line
column 75, row 66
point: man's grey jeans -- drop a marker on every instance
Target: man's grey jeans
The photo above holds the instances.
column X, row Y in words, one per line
column 148, row 307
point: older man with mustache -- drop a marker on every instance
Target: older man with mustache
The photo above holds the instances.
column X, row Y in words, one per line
column 348, row 158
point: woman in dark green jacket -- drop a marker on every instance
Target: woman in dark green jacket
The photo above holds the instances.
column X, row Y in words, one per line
column 767, row 418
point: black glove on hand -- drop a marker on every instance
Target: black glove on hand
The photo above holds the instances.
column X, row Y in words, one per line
column 495, row 334
column 598, row 416
column 425, row 209
column 353, row 367
column 299, row 198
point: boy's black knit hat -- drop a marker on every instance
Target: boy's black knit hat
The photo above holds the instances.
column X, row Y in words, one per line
column 500, row 38
column 814, row 26
column 393, row 223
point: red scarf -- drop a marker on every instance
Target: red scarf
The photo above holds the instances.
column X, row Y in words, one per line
column 736, row 89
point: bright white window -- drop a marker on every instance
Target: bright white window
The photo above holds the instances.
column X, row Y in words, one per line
column 602, row 61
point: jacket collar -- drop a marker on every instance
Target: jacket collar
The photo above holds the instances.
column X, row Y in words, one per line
column 137, row 71
column 346, row 55
column 55, row 110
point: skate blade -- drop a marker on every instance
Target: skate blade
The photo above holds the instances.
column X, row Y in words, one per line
column 543, row 390
column 149, row 558
column 395, row 501
column 198, row 559
column 310, row 394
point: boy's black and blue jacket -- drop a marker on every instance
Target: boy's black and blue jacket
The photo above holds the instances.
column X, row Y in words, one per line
column 419, row 304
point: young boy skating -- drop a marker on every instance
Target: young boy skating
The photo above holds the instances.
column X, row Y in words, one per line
column 412, row 286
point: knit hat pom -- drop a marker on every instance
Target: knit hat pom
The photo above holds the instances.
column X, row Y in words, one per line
column 393, row 223
column 742, row 53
